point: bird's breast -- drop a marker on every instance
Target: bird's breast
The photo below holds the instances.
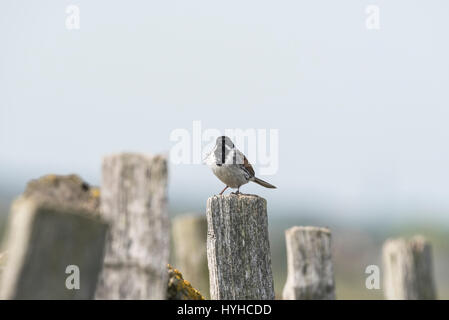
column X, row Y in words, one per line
column 231, row 175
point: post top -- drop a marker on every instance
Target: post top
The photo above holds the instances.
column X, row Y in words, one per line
column 134, row 155
column 64, row 190
column 240, row 196
column 308, row 229
column 417, row 241
column 189, row 216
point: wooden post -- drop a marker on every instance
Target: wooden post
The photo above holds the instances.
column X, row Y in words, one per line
column 309, row 264
column 408, row 269
column 238, row 249
column 48, row 249
column 134, row 202
column 189, row 242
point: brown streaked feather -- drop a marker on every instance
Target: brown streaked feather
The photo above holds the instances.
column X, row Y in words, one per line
column 248, row 166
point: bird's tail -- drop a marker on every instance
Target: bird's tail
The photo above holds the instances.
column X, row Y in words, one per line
column 263, row 183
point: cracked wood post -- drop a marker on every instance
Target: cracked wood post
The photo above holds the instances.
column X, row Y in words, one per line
column 238, row 248
column 309, row 264
column 189, row 243
column 408, row 269
column 43, row 240
column 134, row 201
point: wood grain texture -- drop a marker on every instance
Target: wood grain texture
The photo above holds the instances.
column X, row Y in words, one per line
column 134, row 202
column 189, row 243
column 309, row 264
column 42, row 240
column 238, row 248
column 408, row 269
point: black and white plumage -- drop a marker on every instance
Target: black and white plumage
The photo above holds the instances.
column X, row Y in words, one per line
column 231, row 166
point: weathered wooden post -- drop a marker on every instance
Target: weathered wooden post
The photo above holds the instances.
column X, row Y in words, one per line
column 238, row 249
column 53, row 225
column 309, row 264
column 189, row 242
column 52, row 252
column 134, row 202
column 408, row 269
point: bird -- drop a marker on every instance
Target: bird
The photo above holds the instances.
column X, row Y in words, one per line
column 231, row 166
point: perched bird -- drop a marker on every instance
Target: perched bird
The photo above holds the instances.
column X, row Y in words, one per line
column 231, row 166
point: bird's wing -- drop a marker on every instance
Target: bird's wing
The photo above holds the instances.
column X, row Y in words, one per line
column 248, row 167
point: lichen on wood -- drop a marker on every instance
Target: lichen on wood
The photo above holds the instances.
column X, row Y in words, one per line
column 180, row 289
column 189, row 243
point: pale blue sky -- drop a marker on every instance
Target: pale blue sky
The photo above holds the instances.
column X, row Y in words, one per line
column 362, row 115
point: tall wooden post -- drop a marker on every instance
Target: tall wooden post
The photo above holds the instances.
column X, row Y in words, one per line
column 309, row 264
column 189, row 243
column 134, row 202
column 408, row 269
column 238, row 249
column 52, row 252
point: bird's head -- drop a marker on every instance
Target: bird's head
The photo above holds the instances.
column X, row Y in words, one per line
column 224, row 140
column 223, row 148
